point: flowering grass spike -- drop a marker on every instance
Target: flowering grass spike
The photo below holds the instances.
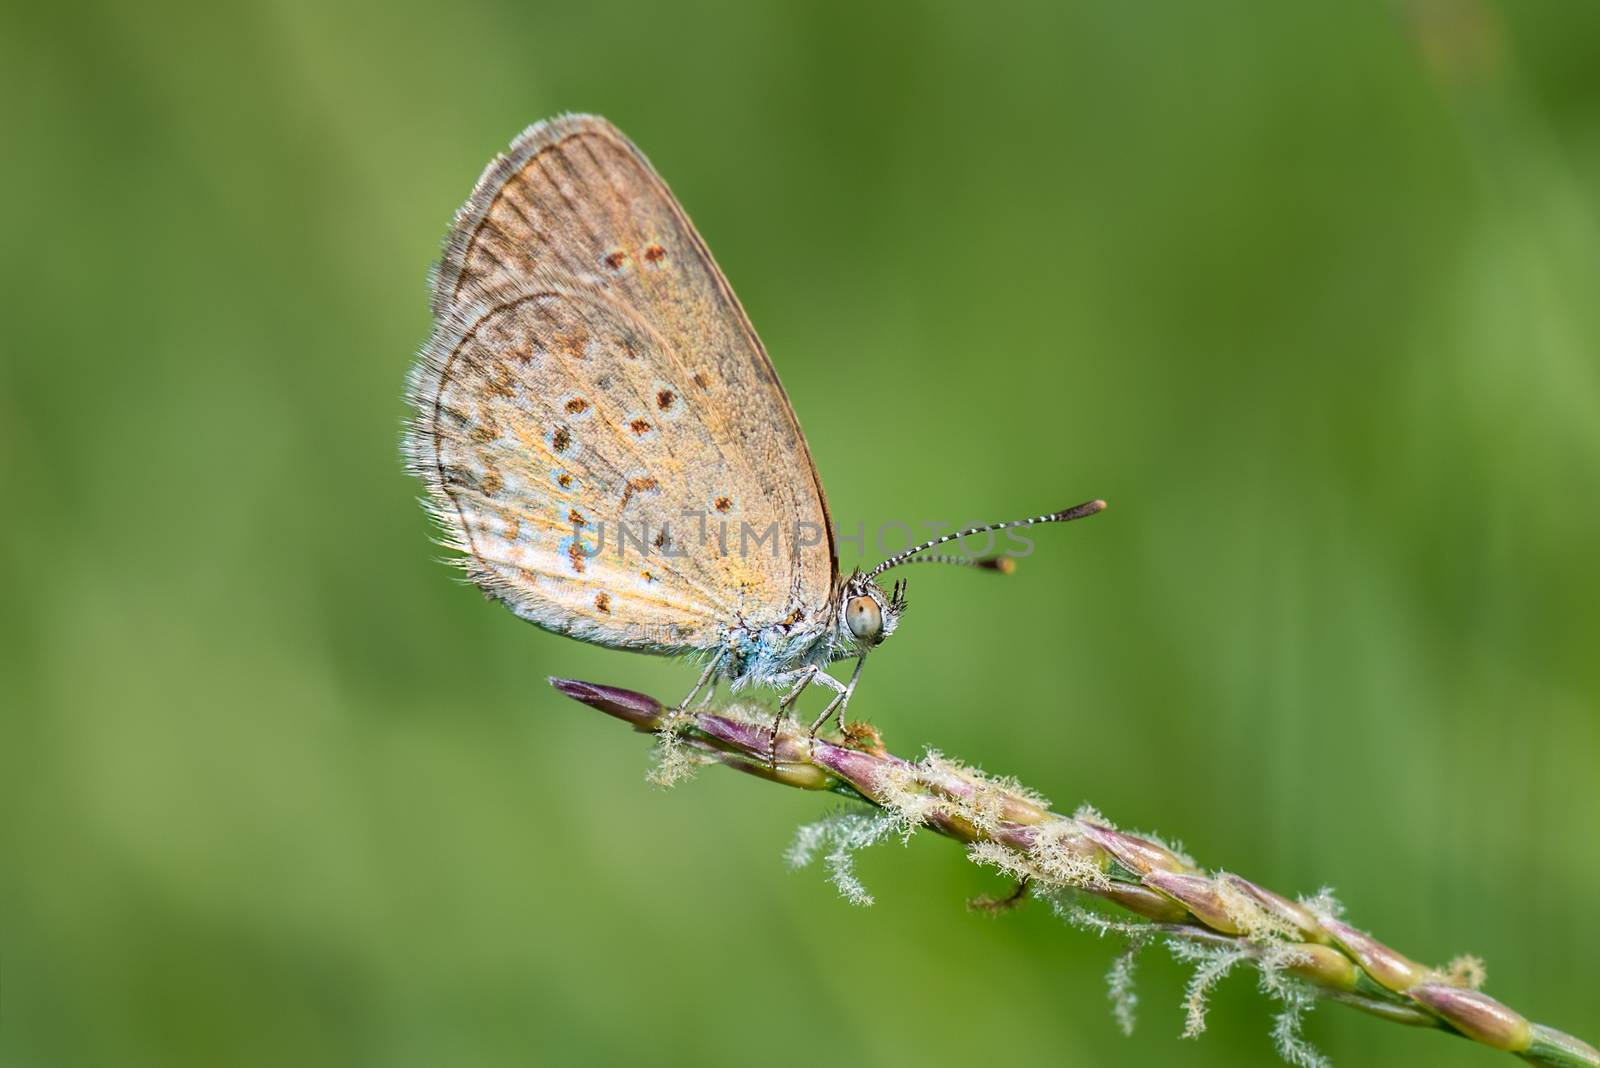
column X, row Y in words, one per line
column 1094, row 876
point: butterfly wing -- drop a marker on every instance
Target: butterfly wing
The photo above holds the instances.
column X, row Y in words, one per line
column 601, row 431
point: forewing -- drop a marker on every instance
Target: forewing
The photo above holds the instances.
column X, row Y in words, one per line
column 593, row 384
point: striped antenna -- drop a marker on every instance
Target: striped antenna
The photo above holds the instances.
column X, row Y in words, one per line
column 1087, row 508
column 1003, row 564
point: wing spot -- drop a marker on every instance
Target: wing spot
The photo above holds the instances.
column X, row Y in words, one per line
column 700, row 380
column 564, row 480
column 577, row 406
column 661, row 540
column 575, row 517
column 722, row 504
column 647, row 576
column 654, row 254
column 637, row 485
column 617, row 260
column 561, row 440
column 574, row 343
column 639, row 427
column 575, row 554
column 503, row 383
column 602, row 601
column 665, row 399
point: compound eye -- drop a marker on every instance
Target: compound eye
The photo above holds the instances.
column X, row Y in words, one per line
column 864, row 618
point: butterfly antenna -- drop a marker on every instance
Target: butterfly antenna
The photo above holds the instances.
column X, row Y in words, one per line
column 1087, row 508
column 1003, row 564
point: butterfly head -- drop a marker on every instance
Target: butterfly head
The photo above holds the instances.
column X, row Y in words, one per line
column 868, row 615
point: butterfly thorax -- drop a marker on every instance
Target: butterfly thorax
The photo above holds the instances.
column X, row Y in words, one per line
column 758, row 656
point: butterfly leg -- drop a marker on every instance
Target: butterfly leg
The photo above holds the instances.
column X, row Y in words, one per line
column 841, row 698
column 708, row 675
column 802, row 678
column 772, row 739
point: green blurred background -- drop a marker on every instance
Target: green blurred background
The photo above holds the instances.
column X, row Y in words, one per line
column 1307, row 291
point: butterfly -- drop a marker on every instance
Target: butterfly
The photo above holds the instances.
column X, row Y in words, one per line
column 605, row 442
